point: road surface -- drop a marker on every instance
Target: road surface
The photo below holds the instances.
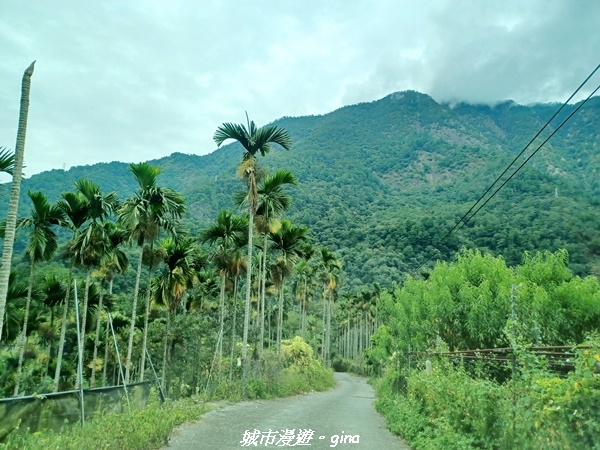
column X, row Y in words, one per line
column 343, row 417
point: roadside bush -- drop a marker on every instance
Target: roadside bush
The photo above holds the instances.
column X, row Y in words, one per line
column 136, row 429
column 562, row 412
column 298, row 372
column 446, row 409
column 452, row 410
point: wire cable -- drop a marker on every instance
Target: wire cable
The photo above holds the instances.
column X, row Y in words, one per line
column 521, row 153
column 529, row 157
column 462, row 222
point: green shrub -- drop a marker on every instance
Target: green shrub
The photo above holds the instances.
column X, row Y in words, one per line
column 562, row 412
column 452, row 410
column 136, row 429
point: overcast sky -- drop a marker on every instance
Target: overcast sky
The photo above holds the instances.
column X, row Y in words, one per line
column 133, row 80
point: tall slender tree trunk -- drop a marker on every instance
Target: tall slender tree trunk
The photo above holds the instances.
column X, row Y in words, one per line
column 280, row 316
column 222, row 315
column 259, row 286
column 262, row 299
column 106, row 340
column 164, row 362
column 270, row 334
column 304, row 308
column 324, row 318
column 15, row 192
column 86, row 298
column 348, row 337
column 147, row 315
column 355, row 341
column 248, row 290
column 360, row 333
column 234, row 310
column 133, row 315
column 23, row 339
column 245, row 361
column 63, row 331
column 50, row 343
column 97, row 339
column 328, row 350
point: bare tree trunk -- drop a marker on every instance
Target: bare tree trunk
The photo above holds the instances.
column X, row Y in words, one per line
column 106, row 333
column 15, row 192
column 304, row 308
column 324, row 327
column 222, row 315
column 247, row 305
column 234, row 310
column 328, row 349
column 262, row 299
column 133, row 314
column 86, row 298
column 258, row 294
column 97, row 339
column 147, row 315
column 280, row 317
column 348, row 336
column 270, row 334
column 164, row 363
column 23, row 339
column 63, row 331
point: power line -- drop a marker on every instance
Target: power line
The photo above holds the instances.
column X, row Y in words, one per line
column 462, row 222
column 529, row 157
column 521, row 153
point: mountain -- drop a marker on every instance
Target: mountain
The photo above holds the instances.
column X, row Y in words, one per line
column 381, row 183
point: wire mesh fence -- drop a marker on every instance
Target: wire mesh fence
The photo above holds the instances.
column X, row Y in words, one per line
column 62, row 409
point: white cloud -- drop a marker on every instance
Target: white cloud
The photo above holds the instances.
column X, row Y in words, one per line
column 137, row 80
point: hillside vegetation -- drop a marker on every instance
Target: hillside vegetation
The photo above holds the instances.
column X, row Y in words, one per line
column 320, row 242
column 382, row 182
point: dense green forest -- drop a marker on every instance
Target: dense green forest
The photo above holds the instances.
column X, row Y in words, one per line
column 380, row 183
column 296, row 248
column 534, row 388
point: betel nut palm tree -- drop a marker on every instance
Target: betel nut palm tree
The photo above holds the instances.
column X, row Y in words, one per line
column 289, row 242
column 330, row 267
column 174, row 280
column 112, row 260
column 254, row 140
column 152, row 209
column 15, row 191
column 75, row 207
column 272, row 202
column 228, row 234
column 41, row 246
column 91, row 243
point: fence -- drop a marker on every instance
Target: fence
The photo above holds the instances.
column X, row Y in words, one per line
column 57, row 410
column 557, row 358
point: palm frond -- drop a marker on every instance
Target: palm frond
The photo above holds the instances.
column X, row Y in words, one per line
column 145, row 174
column 271, row 134
column 232, row 131
column 7, row 160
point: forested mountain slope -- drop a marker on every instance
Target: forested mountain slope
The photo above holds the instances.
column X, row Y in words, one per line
column 382, row 182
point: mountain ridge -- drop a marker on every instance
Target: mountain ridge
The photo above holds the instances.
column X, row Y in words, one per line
column 403, row 166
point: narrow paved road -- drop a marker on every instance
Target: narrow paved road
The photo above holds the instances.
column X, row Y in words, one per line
column 343, row 417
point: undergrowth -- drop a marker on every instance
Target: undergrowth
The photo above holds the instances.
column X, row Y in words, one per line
column 150, row 427
column 141, row 429
column 452, row 409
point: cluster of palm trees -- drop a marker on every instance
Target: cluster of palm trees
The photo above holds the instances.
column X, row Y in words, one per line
column 182, row 271
column 180, row 275
column 99, row 227
column 357, row 322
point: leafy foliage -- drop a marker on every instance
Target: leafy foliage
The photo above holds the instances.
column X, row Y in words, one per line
column 380, row 183
column 478, row 302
